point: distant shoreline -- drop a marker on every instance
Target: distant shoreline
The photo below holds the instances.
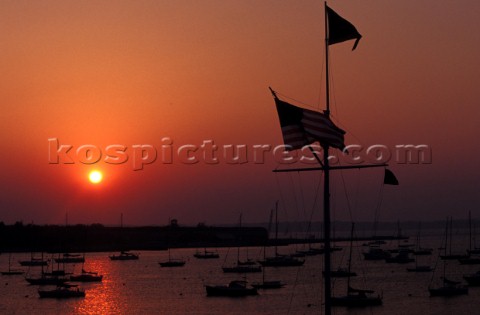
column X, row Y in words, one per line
column 98, row 238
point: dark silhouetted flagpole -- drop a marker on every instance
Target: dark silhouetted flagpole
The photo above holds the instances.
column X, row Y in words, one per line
column 345, row 31
column 326, row 189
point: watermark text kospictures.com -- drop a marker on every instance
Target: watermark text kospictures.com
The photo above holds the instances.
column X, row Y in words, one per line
column 166, row 152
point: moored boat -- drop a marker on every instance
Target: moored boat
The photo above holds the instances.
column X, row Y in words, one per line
column 46, row 279
column 376, row 253
column 420, row 269
column 87, row 276
column 235, row 288
column 62, row 292
column 70, row 258
column 269, row 284
column 33, row 262
column 281, row 261
column 357, row 298
column 10, row 271
column 172, row 263
column 449, row 288
column 124, row 255
column 206, row 254
column 401, row 258
column 469, row 261
column 242, row 269
column 473, row 280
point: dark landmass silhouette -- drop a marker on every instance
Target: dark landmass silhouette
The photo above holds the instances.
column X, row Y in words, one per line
column 96, row 237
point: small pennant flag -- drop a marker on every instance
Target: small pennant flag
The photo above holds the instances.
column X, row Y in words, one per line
column 340, row 30
column 389, row 178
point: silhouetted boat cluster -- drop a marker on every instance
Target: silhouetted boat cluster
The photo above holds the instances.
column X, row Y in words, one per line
column 124, row 255
column 56, row 276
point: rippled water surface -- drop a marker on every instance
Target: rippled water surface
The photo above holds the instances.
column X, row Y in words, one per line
column 143, row 287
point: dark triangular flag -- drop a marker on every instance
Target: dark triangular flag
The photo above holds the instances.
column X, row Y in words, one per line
column 390, row 178
column 340, row 30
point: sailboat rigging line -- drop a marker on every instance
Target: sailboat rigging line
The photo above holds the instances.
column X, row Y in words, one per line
column 330, row 168
column 376, row 215
column 292, row 293
column 443, row 245
column 282, row 196
column 332, row 98
column 302, row 195
column 321, row 79
column 314, row 206
column 294, row 198
column 297, row 101
column 349, row 207
column 316, row 156
column 225, row 259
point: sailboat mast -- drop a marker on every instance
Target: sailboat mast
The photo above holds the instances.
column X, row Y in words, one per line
column 451, row 229
column 326, row 188
column 350, row 256
column 445, row 250
column 238, row 247
column 276, row 228
column 470, row 230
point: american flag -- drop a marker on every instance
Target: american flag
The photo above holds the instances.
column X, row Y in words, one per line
column 301, row 127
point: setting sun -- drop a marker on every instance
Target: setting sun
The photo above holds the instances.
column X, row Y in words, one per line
column 95, row 177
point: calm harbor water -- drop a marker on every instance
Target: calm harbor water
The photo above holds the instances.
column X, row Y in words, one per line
column 143, row 287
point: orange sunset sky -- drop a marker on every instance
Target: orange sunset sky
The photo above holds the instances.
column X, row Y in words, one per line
column 135, row 72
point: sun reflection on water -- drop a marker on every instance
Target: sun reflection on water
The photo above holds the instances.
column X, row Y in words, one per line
column 102, row 297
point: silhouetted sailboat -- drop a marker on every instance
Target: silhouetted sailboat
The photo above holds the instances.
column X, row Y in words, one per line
column 10, row 271
column 376, row 253
column 450, row 255
column 205, row 254
column 473, row 280
column 124, row 254
column 355, row 297
column 280, row 260
column 34, row 261
column 420, row 252
column 86, row 276
column 63, row 291
column 53, row 277
column 268, row 284
column 448, row 287
column 345, row 272
column 237, row 288
column 473, row 236
column 172, row 262
column 70, row 258
column 403, row 257
column 47, row 279
column 472, row 258
column 241, row 266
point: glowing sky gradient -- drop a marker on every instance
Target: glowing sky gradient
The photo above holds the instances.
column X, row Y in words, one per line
column 134, row 72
